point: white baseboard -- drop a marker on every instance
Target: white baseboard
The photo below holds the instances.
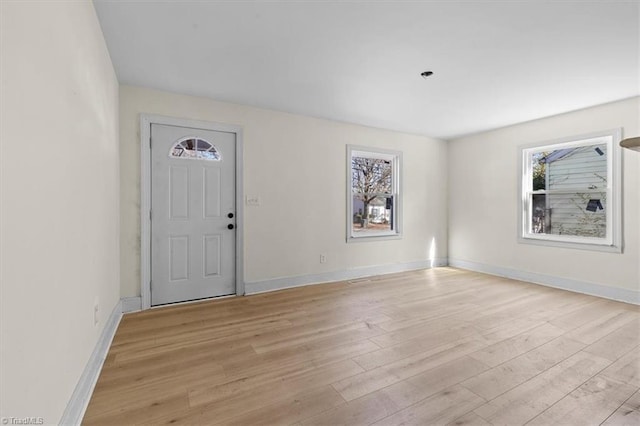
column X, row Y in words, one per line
column 325, row 277
column 614, row 293
column 131, row 304
column 79, row 401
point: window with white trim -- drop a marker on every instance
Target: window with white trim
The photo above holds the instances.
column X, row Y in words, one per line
column 373, row 192
column 570, row 192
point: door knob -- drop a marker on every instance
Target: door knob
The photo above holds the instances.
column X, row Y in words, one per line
column 230, row 226
column 230, row 215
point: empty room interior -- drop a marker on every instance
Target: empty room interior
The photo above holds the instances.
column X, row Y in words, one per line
column 320, row 212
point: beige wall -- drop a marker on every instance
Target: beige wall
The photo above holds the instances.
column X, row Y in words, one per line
column 60, row 201
column 483, row 200
column 70, row 197
column 296, row 165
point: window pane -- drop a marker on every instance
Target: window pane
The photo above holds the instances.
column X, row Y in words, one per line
column 372, row 214
column 189, row 144
column 582, row 167
column 539, row 214
column 539, row 169
column 577, row 214
column 371, row 175
column 209, row 155
column 203, row 145
column 195, row 149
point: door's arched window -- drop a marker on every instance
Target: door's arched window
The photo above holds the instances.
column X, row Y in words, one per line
column 195, row 149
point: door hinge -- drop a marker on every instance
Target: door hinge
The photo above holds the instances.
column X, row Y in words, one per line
column 149, row 214
column 149, row 142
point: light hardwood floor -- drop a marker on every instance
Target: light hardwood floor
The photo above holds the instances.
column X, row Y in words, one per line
column 439, row 346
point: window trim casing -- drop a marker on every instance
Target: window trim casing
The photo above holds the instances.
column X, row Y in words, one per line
column 397, row 168
column 614, row 242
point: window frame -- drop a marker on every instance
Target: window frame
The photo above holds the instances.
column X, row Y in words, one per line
column 395, row 157
column 612, row 242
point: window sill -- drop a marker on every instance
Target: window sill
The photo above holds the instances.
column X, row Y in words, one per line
column 365, row 238
column 571, row 245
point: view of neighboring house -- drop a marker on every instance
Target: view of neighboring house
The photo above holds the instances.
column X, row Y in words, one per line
column 377, row 211
column 576, row 190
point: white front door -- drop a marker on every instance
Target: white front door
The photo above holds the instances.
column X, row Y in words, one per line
column 193, row 210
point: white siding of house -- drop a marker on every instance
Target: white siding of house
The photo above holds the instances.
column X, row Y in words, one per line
column 582, row 169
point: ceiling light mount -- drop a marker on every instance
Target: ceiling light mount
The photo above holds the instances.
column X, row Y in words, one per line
column 426, row 74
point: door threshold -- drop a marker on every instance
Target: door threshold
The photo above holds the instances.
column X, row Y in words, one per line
column 188, row 302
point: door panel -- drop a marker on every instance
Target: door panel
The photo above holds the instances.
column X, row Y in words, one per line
column 179, row 192
column 192, row 194
column 179, row 261
column 212, row 259
column 211, row 192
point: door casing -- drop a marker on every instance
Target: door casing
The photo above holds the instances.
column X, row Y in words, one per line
column 146, row 120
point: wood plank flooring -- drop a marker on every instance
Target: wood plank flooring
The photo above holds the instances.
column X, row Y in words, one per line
column 439, row 346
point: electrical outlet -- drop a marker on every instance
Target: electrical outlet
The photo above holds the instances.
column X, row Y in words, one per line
column 323, row 258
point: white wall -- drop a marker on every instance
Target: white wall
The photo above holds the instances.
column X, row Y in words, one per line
column 483, row 203
column 296, row 165
column 60, row 201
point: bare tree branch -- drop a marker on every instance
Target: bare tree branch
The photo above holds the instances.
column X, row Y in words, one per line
column 370, row 178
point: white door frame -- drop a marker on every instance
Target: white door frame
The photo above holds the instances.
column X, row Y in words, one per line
column 146, row 120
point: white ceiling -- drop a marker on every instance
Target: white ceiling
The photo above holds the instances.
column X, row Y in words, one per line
column 495, row 63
